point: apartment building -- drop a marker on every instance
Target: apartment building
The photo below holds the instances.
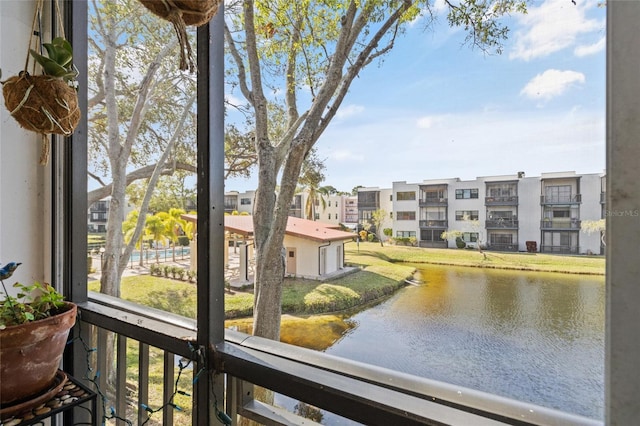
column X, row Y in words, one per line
column 98, row 215
column 332, row 209
column 371, row 200
column 506, row 213
column 241, row 202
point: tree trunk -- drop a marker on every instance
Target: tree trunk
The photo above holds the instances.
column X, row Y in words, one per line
column 270, row 222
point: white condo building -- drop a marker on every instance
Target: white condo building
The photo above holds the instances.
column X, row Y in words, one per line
column 507, row 213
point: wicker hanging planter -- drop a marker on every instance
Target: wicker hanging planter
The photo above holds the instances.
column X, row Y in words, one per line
column 42, row 104
column 48, row 103
column 182, row 13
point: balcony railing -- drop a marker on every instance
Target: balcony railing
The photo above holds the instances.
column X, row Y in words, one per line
column 572, row 224
column 360, row 392
column 559, row 249
column 425, row 202
column 230, row 206
column 433, row 223
column 504, row 200
column 501, row 224
column 571, row 199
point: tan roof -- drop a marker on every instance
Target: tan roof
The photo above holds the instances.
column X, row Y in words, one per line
column 302, row 228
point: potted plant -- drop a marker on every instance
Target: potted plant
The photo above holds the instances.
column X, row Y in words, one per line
column 34, row 327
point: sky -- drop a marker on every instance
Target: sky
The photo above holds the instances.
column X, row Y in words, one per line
column 436, row 108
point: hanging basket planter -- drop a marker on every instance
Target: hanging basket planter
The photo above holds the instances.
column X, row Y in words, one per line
column 182, row 13
column 42, row 104
column 47, row 103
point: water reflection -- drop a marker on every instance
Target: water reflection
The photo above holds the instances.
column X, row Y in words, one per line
column 529, row 336
column 535, row 337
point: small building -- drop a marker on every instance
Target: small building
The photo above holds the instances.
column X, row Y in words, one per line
column 311, row 249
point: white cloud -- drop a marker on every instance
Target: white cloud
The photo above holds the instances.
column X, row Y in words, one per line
column 429, row 121
column 551, row 83
column 590, row 49
column 347, row 111
column 553, row 26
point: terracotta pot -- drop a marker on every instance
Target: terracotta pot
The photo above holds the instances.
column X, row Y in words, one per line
column 30, row 355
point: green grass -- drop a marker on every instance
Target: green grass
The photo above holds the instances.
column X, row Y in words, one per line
column 382, row 271
column 500, row 260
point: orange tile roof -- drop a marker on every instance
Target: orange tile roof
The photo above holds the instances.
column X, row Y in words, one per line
column 312, row 230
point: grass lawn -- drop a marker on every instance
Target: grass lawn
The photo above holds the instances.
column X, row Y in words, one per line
column 377, row 279
column 500, row 260
column 380, row 275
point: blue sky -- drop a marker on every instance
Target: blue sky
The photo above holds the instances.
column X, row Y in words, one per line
column 438, row 109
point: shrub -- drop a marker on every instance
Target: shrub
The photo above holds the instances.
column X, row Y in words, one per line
column 183, row 240
column 371, row 237
column 192, row 275
column 153, row 269
column 460, row 243
column 387, row 231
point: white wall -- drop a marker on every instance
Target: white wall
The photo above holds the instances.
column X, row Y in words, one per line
column 591, row 210
column 24, row 219
column 307, row 265
column 467, row 204
column 405, row 206
column 529, row 212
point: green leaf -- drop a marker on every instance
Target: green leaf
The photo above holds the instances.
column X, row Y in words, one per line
column 49, row 66
column 62, row 43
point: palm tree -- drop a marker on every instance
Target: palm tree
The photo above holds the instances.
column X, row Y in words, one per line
column 175, row 225
column 317, row 196
column 128, row 228
column 310, row 178
column 156, row 227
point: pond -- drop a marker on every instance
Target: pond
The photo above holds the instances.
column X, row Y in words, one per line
column 534, row 337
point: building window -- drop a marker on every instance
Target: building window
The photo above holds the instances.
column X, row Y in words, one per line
column 466, row 193
column 501, row 239
column 558, row 194
column 406, row 216
column 466, row 214
column 245, row 201
column 435, row 195
column 470, row 237
column 431, row 235
column 391, row 197
column 329, row 216
column 502, row 190
column 406, row 234
column 501, row 214
column 316, row 216
column 406, row 196
column 390, row 215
